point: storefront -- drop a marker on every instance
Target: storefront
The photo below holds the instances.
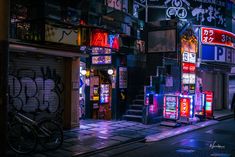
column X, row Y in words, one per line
column 218, row 57
column 105, row 83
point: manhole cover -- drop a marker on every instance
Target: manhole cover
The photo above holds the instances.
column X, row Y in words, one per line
column 221, row 155
column 185, row 150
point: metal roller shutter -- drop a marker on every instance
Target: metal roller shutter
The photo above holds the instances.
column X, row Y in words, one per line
column 36, row 82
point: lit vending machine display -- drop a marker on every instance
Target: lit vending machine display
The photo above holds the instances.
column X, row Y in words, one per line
column 170, row 109
column 209, row 104
column 104, row 93
column 200, row 105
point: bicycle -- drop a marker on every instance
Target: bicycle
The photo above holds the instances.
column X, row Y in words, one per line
column 24, row 134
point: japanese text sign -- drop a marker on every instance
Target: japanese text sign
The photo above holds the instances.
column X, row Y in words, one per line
column 185, row 107
column 217, row 37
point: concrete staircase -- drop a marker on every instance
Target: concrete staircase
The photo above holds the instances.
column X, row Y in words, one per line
column 135, row 110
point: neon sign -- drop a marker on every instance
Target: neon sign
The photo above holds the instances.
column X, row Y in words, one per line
column 113, row 41
column 101, row 38
column 185, row 107
column 214, row 36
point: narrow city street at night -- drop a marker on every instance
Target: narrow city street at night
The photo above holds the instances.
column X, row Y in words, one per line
column 117, row 78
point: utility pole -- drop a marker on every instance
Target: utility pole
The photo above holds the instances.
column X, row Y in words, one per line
column 4, row 25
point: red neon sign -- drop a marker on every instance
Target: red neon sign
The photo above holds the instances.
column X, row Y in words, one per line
column 99, row 38
column 185, row 107
column 209, row 101
column 217, row 37
column 188, row 67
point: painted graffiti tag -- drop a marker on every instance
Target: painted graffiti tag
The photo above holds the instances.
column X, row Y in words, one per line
column 35, row 93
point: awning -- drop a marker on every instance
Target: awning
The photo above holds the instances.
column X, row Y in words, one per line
column 21, row 47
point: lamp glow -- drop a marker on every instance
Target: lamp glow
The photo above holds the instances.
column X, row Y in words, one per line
column 110, row 71
column 83, row 72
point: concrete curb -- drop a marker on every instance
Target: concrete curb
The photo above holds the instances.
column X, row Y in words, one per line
column 178, row 131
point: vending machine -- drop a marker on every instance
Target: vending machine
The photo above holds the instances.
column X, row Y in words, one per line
column 186, row 109
column 200, row 106
column 170, row 110
column 208, row 104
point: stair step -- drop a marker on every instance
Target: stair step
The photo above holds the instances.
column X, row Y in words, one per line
column 136, row 107
column 132, row 116
column 135, row 112
column 138, row 101
column 140, row 96
column 132, row 110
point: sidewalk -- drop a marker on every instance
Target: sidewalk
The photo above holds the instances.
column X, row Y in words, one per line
column 223, row 114
column 95, row 135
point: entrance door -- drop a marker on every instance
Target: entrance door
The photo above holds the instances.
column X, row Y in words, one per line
column 213, row 81
column 100, row 95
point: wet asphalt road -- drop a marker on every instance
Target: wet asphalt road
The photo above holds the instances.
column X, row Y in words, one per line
column 214, row 141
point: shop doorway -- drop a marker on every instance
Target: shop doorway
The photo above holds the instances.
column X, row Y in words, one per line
column 100, row 94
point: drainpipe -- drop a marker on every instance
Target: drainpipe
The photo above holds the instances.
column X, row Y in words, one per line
column 4, row 24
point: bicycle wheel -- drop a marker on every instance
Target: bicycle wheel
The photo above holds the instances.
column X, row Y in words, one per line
column 50, row 134
column 22, row 138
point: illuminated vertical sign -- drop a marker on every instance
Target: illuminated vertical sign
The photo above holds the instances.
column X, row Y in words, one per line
column 189, row 50
column 185, row 107
column 209, row 101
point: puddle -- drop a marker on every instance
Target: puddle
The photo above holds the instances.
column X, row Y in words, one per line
column 185, row 150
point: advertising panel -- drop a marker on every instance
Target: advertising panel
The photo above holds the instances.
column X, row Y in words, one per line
column 101, row 59
column 122, row 77
column 104, row 93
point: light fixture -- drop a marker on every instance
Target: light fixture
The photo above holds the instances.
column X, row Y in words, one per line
column 83, row 72
column 110, row 71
